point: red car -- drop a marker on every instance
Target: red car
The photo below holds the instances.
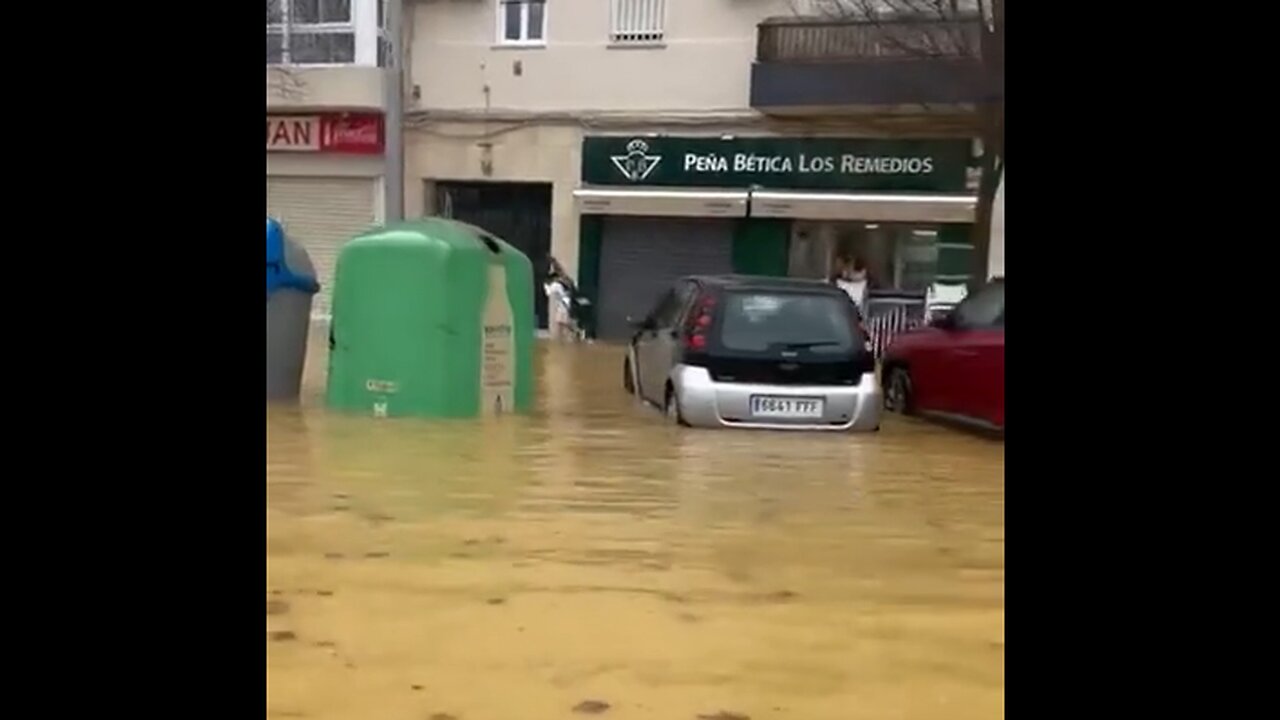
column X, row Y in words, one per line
column 954, row 367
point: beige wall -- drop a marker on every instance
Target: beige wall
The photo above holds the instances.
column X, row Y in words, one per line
column 702, row 68
column 704, row 64
column 330, row 88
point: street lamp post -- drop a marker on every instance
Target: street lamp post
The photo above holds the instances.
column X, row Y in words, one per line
column 393, row 72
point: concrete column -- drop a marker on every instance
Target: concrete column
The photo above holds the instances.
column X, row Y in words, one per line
column 393, row 178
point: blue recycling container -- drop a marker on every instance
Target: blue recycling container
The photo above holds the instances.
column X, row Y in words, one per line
column 291, row 283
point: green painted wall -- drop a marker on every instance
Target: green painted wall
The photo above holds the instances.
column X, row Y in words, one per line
column 955, row 253
column 590, row 234
column 761, row 246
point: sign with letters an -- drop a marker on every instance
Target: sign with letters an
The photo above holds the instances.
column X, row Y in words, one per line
column 353, row 133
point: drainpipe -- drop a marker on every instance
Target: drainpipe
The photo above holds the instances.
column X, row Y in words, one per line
column 393, row 172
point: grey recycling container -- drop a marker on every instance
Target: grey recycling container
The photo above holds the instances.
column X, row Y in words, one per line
column 291, row 283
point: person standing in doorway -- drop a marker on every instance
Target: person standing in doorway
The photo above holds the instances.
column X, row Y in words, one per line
column 858, row 271
column 851, row 276
column 559, row 300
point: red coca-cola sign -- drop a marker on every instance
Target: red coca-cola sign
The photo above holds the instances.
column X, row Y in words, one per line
column 351, row 133
column 354, row 133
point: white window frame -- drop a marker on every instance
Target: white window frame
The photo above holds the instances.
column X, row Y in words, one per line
column 363, row 27
column 637, row 23
column 500, row 25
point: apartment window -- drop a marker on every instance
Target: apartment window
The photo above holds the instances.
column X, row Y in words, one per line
column 384, row 40
column 522, row 22
column 637, row 22
column 310, row 32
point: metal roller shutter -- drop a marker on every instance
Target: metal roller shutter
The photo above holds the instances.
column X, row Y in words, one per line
column 321, row 214
column 641, row 257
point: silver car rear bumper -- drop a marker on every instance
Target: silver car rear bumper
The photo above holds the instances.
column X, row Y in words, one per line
column 707, row 403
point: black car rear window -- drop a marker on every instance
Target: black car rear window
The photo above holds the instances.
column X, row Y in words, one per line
column 771, row 321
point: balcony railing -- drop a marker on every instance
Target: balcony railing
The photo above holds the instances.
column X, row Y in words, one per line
column 799, row 40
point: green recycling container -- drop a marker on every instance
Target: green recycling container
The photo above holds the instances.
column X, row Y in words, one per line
column 431, row 318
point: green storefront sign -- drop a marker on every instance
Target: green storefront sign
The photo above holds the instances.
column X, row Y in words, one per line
column 773, row 162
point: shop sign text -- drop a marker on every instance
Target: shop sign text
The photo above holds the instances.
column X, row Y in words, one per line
column 927, row 165
column 293, row 133
column 846, row 163
column 354, row 133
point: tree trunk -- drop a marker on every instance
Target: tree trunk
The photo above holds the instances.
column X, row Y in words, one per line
column 991, row 115
column 981, row 238
column 992, row 170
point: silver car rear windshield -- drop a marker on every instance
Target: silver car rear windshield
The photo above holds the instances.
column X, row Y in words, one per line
column 768, row 322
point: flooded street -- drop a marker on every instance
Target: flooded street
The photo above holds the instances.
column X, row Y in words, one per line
column 593, row 561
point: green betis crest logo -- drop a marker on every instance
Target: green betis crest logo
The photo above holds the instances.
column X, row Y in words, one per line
column 637, row 164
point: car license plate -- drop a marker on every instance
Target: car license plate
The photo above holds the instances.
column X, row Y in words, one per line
column 786, row 407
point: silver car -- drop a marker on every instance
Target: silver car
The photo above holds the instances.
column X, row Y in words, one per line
column 755, row 352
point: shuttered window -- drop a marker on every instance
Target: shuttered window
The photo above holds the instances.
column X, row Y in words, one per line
column 637, row 22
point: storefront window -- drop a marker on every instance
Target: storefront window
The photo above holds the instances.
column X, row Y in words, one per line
column 810, row 255
column 917, row 259
column 897, row 256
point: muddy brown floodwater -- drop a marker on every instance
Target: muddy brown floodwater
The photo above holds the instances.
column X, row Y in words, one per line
column 591, row 561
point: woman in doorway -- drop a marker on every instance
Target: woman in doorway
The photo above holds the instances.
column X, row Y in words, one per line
column 559, row 289
column 851, row 276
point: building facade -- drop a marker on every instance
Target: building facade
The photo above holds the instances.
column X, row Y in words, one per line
column 325, row 125
column 640, row 140
column 655, row 208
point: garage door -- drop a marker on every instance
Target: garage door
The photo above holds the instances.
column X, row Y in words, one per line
column 321, row 214
column 640, row 258
column 519, row 213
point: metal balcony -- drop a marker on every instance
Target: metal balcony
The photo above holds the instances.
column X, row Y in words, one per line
column 815, row 65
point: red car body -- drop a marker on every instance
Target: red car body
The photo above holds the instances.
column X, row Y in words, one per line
column 953, row 367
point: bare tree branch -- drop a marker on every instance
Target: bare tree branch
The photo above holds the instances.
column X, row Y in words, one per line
column 285, row 83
